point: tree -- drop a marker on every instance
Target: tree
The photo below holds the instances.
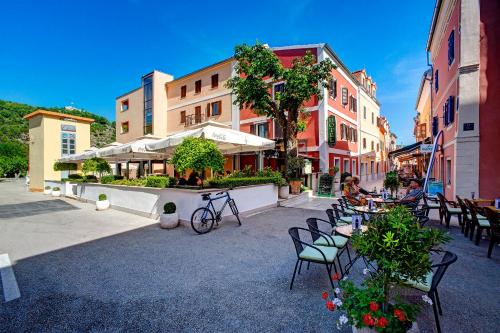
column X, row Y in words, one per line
column 197, row 154
column 63, row 166
column 96, row 164
column 258, row 68
column 13, row 165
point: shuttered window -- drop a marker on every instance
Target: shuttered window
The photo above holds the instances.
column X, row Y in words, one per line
column 197, row 114
column 197, row 87
column 436, row 80
column 332, row 88
column 216, row 108
column 451, row 48
column 183, row 91
column 215, row 81
column 183, row 117
column 435, row 126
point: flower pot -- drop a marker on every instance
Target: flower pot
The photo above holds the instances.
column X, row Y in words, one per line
column 47, row 192
column 56, row 193
column 413, row 329
column 102, row 204
column 169, row 221
column 284, row 192
column 295, row 186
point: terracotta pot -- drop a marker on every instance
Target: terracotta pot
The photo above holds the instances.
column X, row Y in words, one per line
column 295, row 186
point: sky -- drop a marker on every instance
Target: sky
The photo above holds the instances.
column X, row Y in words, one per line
column 86, row 53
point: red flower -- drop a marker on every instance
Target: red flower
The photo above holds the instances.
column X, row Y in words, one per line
column 330, row 306
column 400, row 314
column 374, row 306
column 324, row 295
column 382, row 322
column 368, row 320
column 336, row 277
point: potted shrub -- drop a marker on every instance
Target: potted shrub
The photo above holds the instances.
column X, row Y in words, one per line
column 401, row 250
column 391, row 182
column 56, row 191
column 283, row 188
column 295, row 166
column 333, row 170
column 169, row 219
column 47, row 190
column 102, row 203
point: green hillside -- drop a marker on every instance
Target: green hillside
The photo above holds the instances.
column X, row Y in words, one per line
column 14, row 132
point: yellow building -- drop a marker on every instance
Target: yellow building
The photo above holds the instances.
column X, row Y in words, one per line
column 51, row 136
column 422, row 129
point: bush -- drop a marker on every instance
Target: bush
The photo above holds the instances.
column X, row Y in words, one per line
column 89, row 179
column 157, row 181
column 75, row 176
column 245, row 173
column 230, row 182
column 130, row 182
column 47, row 187
column 109, row 179
column 102, row 197
column 56, row 189
column 169, row 208
column 63, row 166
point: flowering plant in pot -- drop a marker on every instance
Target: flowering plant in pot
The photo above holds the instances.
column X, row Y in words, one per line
column 47, row 190
column 56, row 192
column 295, row 165
column 102, row 203
column 400, row 248
column 169, row 219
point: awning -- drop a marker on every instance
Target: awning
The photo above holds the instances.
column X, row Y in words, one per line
column 135, row 150
column 229, row 141
column 405, row 149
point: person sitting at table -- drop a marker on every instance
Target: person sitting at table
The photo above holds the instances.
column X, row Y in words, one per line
column 355, row 181
column 352, row 194
column 413, row 195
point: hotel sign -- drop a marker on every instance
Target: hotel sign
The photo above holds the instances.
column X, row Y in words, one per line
column 332, row 131
column 426, row 148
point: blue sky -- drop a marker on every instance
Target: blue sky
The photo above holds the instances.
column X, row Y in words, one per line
column 54, row 53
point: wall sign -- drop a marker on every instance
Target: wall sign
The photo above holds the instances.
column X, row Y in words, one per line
column 68, row 128
column 468, row 126
column 344, row 96
column 332, row 131
column 426, row 148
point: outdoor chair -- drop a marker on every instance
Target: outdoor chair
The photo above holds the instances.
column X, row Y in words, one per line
column 477, row 221
column 423, row 220
column 466, row 216
column 430, row 204
column 345, row 206
column 431, row 282
column 448, row 208
column 334, row 215
column 324, row 255
column 494, row 219
column 332, row 239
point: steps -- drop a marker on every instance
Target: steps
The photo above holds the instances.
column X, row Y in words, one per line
column 294, row 200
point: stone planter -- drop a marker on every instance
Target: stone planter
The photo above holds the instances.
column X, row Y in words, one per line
column 169, row 221
column 102, row 204
column 284, row 192
column 56, row 193
column 295, row 186
column 413, row 329
column 47, row 192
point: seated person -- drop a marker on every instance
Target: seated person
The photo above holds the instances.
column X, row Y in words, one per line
column 413, row 195
column 352, row 193
column 361, row 190
column 194, row 179
column 181, row 181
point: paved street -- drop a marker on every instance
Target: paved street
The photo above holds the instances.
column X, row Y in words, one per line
column 83, row 270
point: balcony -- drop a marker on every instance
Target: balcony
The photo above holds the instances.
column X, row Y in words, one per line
column 194, row 119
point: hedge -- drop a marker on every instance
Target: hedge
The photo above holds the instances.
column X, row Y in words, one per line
column 160, row 181
column 110, row 178
column 130, row 182
column 244, row 181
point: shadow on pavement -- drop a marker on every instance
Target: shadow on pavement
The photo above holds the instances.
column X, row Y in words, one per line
column 34, row 208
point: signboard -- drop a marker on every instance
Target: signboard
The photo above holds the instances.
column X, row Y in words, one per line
column 332, row 131
column 344, row 96
column 468, row 126
column 426, row 148
column 68, row 128
column 307, row 167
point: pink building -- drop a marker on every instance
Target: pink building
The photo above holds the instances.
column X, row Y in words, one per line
column 463, row 45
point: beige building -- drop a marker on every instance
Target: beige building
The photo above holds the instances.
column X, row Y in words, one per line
column 51, row 136
column 422, row 129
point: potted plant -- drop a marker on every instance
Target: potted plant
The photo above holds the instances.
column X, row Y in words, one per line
column 400, row 249
column 169, row 219
column 333, row 170
column 102, row 203
column 391, row 182
column 284, row 188
column 56, row 191
column 47, row 190
column 295, row 166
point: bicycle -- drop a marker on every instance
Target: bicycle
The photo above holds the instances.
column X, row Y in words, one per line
column 203, row 218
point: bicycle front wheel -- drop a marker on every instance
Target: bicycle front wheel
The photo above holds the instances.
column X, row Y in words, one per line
column 202, row 220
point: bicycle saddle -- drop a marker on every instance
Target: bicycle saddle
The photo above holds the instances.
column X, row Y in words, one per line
column 205, row 196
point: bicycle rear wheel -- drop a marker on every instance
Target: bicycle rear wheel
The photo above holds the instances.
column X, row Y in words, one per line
column 202, row 220
column 234, row 209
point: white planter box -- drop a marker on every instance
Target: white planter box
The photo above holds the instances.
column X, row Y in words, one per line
column 56, row 193
column 47, row 192
column 169, row 221
column 284, row 192
column 102, row 204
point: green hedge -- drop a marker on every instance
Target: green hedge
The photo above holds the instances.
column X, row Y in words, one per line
column 110, row 178
column 160, row 181
column 244, row 181
column 130, row 182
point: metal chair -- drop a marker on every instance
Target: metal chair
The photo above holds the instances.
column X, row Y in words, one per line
column 449, row 208
column 307, row 252
column 466, row 221
column 494, row 219
column 432, row 281
column 334, row 216
column 431, row 204
column 478, row 221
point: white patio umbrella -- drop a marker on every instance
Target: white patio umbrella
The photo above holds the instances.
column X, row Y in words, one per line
column 135, row 150
column 229, row 141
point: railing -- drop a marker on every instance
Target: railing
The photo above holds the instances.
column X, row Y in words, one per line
column 194, row 119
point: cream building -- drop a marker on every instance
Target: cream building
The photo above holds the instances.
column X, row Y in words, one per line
column 51, row 136
column 422, row 129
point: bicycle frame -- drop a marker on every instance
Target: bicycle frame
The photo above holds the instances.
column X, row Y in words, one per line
column 210, row 205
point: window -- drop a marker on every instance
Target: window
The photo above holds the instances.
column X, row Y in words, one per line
column 436, row 80
column 215, row 81
column 197, row 87
column 353, row 104
column 364, row 142
column 278, row 88
column 124, row 127
column 197, row 114
column 332, row 88
column 216, row 108
column 448, row 172
column 449, row 111
column 345, row 96
column 346, row 165
column 278, row 132
column 354, row 167
column 147, row 84
column 68, row 143
column 372, row 167
column 183, row 117
column 373, row 146
column 435, row 125
column 451, row 48
column 364, row 112
column 336, row 162
column 373, row 119
column 262, row 130
column 378, row 147
column 183, row 91
column 124, row 105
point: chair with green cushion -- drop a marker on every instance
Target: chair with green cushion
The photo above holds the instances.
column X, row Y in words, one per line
column 466, row 217
column 431, row 204
column 431, row 282
column 345, row 207
column 330, row 239
column 334, row 215
column 494, row 219
column 478, row 221
column 448, row 209
column 307, row 252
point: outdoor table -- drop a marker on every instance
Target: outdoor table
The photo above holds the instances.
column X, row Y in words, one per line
column 494, row 208
column 366, row 210
column 483, row 202
column 347, row 231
